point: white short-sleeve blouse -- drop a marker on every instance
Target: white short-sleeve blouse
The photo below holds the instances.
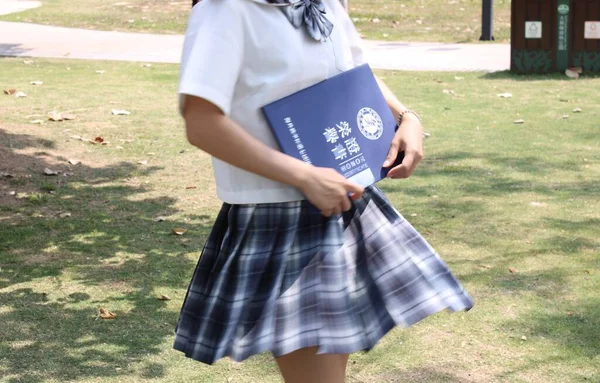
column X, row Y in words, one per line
column 241, row 55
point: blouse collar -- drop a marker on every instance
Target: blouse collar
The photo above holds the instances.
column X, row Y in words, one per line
column 307, row 14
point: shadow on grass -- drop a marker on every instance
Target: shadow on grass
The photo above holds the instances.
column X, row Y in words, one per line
column 482, row 180
column 111, row 242
column 573, row 329
column 417, row 375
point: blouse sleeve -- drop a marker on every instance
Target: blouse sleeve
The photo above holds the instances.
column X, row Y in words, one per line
column 212, row 54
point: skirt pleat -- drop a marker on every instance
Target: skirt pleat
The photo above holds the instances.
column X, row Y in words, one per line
column 281, row 277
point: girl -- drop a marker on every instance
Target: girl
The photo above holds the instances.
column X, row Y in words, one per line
column 308, row 285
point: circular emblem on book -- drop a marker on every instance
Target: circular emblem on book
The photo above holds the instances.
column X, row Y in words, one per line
column 369, row 123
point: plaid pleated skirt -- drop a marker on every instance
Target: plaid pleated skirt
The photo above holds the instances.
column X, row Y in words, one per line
column 281, row 277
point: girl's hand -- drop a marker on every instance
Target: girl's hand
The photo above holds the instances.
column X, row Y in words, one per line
column 328, row 190
column 409, row 139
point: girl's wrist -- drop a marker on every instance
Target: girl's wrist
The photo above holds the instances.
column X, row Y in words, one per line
column 299, row 173
column 409, row 115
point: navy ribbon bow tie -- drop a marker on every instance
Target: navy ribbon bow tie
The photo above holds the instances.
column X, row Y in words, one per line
column 307, row 13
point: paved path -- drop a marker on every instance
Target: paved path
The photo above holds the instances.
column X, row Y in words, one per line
column 32, row 40
column 14, row 6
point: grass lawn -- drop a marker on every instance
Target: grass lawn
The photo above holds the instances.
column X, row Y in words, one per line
column 513, row 209
column 409, row 20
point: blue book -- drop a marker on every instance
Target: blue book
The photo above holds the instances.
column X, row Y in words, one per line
column 342, row 123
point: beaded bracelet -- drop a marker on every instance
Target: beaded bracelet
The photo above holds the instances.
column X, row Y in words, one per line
column 401, row 116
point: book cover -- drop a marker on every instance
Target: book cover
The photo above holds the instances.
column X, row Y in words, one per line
column 342, row 123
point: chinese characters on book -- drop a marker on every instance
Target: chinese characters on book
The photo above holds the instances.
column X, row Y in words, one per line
column 345, row 149
column 297, row 140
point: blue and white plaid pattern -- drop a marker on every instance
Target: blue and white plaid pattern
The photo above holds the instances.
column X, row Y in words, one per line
column 280, row 277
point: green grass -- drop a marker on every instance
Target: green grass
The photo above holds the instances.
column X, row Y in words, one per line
column 490, row 195
column 408, row 20
column 452, row 21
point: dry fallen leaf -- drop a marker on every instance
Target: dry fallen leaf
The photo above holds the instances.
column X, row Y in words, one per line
column 74, row 162
column 143, row 162
column 54, row 116
column 120, row 112
column 50, row 172
column 164, row 298
column 68, row 116
column 571, row 73
column 538, row 204
column 20, row 94
column 178, row 231
column 37, row 83
column 519, row 122
column 190, row 187
column 512, row 270
column 98, row 140
column 64, row 215
column 505, row 95
column 105, row 314
column 10, row 91
column 570, row 313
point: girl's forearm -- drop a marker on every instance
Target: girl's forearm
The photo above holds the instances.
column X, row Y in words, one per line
column 395, row 105
column 216, row 134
